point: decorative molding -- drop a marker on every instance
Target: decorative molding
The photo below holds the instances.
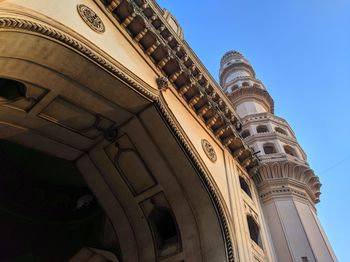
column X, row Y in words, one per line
column 281, row 192
column 91, row 18
column 26, row 25
column 247, row 78
column 274, row 172
column 209, row 150
column 258, row 117
column 162, row 83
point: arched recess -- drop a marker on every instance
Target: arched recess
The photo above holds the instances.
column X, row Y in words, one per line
column 47, row 212
column 262, row 129
column 254, row 231
column 290, row 150
column 245, row 133
column 244, row 186
column 269, row 148
column 70, row 113
column 281, row 131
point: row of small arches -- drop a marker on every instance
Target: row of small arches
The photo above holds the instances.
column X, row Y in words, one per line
column 263, row 129
column 269, row 148
column 245, row 84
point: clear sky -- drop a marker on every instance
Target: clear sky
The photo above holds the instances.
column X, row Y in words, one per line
column 300, row 50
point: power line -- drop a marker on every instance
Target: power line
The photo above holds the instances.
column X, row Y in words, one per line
column 335, row 165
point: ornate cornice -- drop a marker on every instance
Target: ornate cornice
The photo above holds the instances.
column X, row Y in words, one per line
column 147, row 27
column 242, row 78
column 302, row 175
column 265, row 117
column 270, row 136
column 26, row 25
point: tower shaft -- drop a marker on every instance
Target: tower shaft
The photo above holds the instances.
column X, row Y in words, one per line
column 287, row 186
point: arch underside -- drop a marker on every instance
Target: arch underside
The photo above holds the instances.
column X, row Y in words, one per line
column 124, row 147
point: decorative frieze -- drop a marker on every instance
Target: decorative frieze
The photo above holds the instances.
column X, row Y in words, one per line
column 304, row 177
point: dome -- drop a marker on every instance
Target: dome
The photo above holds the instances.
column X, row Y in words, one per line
column 229, row 55
column 234, row 65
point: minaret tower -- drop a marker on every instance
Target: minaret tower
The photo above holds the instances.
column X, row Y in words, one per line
column 287, row 186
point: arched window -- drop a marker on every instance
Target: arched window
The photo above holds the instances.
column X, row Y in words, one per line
column 262, row 129
column 164, row 228
column 245, row 186
column 245, row 133
column 289, row 150
column 11, row 90
column 269, row 148
column 281, row 131
column 254, row 231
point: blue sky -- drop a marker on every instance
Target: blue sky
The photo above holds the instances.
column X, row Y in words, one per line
column 300, row 49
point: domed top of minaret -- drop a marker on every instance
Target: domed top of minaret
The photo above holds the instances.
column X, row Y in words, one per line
column 233, row 65
column 230, row 54
column 238, row 81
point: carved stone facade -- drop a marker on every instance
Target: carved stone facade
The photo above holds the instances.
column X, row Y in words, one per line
column 141, row 152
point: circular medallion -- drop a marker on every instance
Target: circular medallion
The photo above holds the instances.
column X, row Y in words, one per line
column 91, row 18
column 209, row 150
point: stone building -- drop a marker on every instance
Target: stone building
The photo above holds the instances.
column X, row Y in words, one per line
column 118, row 145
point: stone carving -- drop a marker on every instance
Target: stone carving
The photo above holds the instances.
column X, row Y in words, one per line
column 209, row 150
column 162, row 83
column 91, row 18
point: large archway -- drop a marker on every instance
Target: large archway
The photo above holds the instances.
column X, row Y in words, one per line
column 46, row 208
column 131, row 158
